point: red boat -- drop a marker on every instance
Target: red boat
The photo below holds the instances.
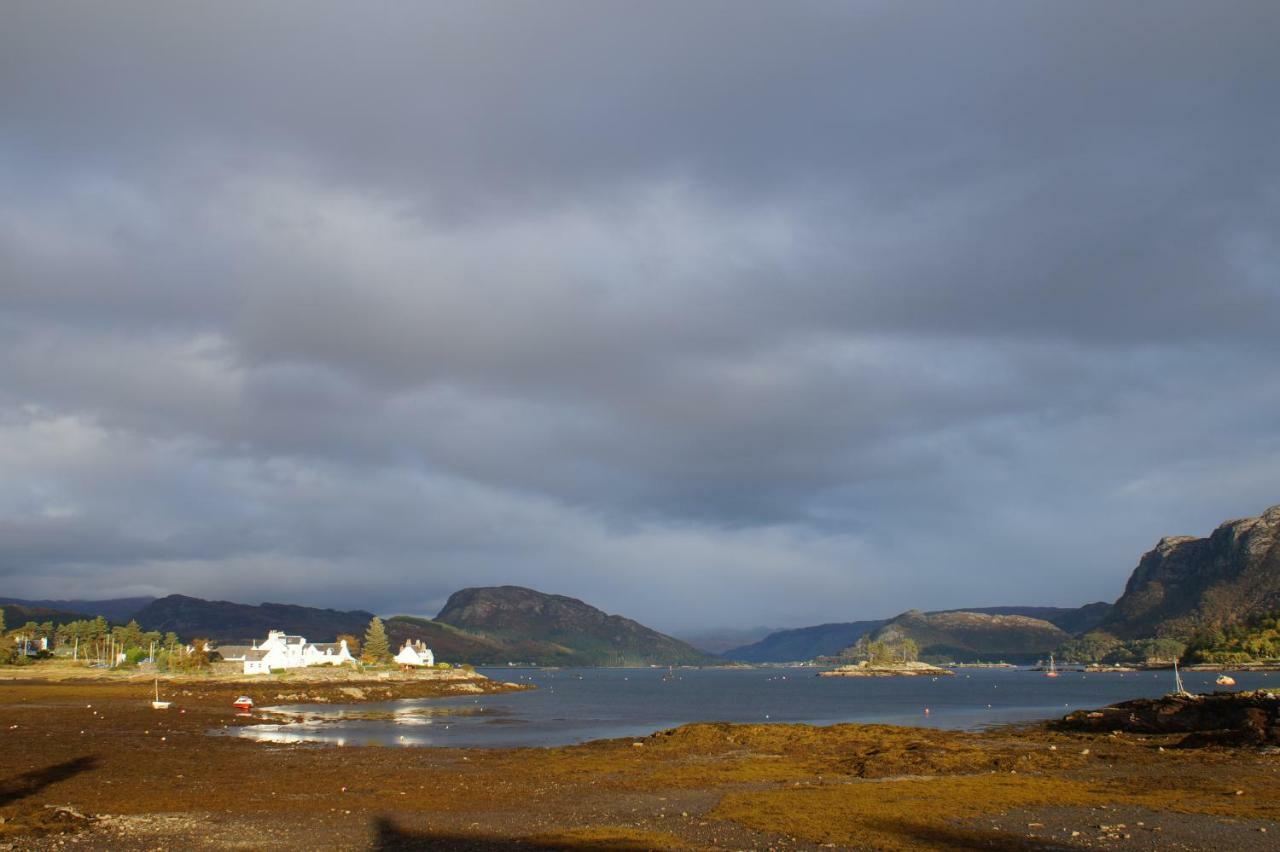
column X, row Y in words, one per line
column 244, row 702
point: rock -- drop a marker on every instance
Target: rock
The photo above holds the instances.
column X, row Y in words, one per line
column 865, row 669
column 1221, row 718
column 1186, row 583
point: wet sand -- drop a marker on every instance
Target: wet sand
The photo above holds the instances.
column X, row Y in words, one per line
column 120, row 775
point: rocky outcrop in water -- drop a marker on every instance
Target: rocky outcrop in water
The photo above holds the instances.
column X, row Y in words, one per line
column 1222, row 718
column 908, row 669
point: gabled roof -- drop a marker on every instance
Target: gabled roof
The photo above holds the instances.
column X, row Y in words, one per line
column 256, row 654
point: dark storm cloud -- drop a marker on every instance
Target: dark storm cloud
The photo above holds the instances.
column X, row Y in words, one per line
column 898, row 306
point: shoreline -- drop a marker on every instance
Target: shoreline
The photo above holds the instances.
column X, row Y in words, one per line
column 89, row 762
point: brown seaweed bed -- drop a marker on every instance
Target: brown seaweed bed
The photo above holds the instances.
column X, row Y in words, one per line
column 91, row 764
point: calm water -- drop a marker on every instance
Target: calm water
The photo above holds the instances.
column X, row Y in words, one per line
column 575, row 705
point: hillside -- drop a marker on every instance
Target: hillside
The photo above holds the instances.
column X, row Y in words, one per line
column 1187, row 583
column 18, row 614
column 969, row 636
column 718, row 640
column 115, row 610
column 827, row 640
column 455, row 645
column 540, row 622
column 230, row 622
column 803, row 643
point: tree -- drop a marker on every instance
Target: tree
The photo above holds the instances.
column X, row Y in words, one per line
column 198, row 656
column 376, row 649
column 353, row 644
column 1, row 621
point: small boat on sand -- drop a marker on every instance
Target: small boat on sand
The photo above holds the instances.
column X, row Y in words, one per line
column 158, row 704
column 1225, row 680
column 244, row 702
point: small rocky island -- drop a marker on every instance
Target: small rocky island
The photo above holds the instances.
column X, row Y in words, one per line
column 912, row 668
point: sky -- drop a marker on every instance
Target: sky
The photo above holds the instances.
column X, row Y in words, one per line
column 708, row 313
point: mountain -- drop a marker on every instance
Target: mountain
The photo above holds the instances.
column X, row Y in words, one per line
column 803, row 643
column 579, row 633
column 449, row 644
column 225, row 621
column 827, row 640
column 969, row 636
column 1076, row 621
column 455, row 645
column 115, row 610
column 18, row 614
column 719, row 640
column 1188, row 583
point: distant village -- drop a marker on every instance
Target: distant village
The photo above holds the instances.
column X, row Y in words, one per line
column 96, row 643
column 282, row 651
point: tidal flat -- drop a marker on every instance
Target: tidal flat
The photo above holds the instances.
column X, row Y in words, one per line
column 89, row 764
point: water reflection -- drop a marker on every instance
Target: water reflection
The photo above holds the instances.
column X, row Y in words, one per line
column 576, row 705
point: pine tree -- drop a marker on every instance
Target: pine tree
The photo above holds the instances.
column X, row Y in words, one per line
column 1, row 621
column 376, row 649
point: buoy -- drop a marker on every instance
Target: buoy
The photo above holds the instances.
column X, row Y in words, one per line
column 926, row 711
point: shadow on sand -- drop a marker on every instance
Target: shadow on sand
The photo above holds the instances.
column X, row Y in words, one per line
column 389, row 837
column 961, row 837
column 29, row 783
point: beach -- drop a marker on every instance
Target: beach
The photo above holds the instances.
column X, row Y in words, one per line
column 89, row 763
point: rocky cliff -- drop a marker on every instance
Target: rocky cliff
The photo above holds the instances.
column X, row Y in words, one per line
column 1187, row 583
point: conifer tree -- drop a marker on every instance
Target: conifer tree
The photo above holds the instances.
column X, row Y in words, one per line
column 376, row 649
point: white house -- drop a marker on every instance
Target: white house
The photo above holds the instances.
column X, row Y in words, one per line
column 282, row 651
column 416, row 655
column 327, row 654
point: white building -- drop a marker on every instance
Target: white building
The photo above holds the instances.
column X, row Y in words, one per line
column 415, row 655
column 282, row 651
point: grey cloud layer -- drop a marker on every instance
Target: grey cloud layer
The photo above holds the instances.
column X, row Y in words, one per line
column 844, row 309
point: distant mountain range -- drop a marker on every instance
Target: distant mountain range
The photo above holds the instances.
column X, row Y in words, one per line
column 115, row 609
column 17, row 614
column 718, row 640
column 830, row 640
column 228, row 622
column 1183, row 585
column 477, row 625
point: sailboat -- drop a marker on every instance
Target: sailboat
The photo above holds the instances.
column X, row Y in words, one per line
column 1179, row 689
column 1053, row 669
column 158, row 704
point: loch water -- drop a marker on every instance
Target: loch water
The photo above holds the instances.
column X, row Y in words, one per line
column 576, row 705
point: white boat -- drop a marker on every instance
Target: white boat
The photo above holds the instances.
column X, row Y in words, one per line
column 158, row 704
